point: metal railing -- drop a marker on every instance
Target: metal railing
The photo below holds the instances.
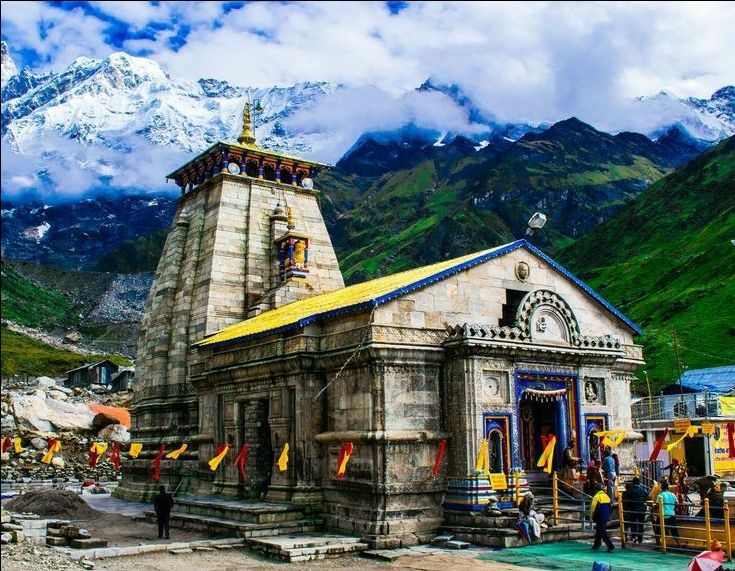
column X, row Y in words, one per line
column 682, row 532
column 666, row 407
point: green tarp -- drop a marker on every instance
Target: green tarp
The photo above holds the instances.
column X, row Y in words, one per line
column 578, row 556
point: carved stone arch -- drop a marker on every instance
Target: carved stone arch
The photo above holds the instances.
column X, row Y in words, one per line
column 553, row 306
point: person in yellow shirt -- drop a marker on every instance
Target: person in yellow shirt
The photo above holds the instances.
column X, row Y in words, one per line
column 600, row 512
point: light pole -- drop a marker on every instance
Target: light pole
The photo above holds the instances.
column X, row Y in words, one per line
column 650, row 404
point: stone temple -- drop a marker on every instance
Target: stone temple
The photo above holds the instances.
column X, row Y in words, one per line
column 251, row 337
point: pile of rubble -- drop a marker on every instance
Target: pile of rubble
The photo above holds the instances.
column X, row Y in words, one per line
column 24, row 539
column 46, row 409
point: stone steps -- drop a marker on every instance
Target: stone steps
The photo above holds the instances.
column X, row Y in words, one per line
column 214, row 525
column 295, row 549
column 239, row 510
column 510, row 537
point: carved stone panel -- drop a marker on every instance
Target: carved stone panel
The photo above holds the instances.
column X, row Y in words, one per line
column 495, row 387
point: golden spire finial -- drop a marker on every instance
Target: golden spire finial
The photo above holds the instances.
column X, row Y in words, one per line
column 246, row 137
column 291, row 219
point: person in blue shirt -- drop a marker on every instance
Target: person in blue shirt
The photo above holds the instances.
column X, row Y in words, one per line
column 600, row 512
column 609, row 472
column 668, row 500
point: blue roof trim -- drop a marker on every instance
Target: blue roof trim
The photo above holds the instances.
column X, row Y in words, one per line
column 435, row 278
column 584, row 287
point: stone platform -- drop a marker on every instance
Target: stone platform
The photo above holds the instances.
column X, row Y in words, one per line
column 217, row 515
column 307, row 547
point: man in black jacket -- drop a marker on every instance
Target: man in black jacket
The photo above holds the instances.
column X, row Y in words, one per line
column 163, row 504
column 634, row 508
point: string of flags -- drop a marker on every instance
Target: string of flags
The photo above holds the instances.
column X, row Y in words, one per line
column 98, row 449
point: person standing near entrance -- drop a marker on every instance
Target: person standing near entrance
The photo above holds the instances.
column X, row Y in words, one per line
column 570, row 464
column 600, row 512
column 609, row 472
column 163, row 504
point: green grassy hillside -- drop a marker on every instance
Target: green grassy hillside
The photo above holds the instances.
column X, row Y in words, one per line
column 22, row 355
column 26, row 303
column 666, row 260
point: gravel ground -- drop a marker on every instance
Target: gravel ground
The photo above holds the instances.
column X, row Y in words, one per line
column 237, row 559
column 25, row 557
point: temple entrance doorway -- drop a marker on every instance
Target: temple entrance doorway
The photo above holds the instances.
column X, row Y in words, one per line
column 538, row 423
column 256, row 432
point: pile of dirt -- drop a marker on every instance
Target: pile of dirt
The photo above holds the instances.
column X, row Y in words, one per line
column 53, row 503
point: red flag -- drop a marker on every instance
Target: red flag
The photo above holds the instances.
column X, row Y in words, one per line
column 731, row 439
column 157, row 462
column 344, row 455
column 240, row 460
column 658, row 446
column 7, row 443
column 115, row 456
column 93, row 456
column 439, row 456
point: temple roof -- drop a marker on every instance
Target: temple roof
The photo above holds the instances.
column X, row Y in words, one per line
column 373, row 293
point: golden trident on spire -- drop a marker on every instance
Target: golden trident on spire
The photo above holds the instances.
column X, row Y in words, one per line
column 246, row 137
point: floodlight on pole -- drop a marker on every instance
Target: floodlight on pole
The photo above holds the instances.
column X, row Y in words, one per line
column 536, row 222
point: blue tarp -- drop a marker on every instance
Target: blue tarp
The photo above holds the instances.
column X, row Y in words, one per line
column 714, row 379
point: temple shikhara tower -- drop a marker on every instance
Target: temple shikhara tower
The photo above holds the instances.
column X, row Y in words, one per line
column 251, row 337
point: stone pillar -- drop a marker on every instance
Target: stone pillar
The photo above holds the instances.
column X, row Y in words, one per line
column 281, row 423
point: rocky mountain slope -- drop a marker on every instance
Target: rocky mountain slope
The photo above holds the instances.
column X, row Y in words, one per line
column 75, row 235
column 666, row 260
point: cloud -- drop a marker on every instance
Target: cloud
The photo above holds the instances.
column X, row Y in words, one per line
column 62, row 169
column 519, row 62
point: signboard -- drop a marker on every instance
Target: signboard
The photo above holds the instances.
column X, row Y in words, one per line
column 724, row 465
column 681, row 425
column 498, row 481
column 708, row 428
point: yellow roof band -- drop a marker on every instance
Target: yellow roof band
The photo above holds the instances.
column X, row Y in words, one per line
column 348, row 299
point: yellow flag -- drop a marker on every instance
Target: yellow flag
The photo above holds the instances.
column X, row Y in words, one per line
column 214, row 462
column 135, row 449
column 547, row 456
column 691, row 431
column 50, row 453
column 283, row 460
column 100, row 448
column 613, row 438
column 178, row 452
column 16, row 445
column 482, row 460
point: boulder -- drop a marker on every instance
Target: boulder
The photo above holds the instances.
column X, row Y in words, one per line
column 45, row 382
column 7, row 423
column 18, row 536
column 46, row 414
column 38, row 443
column 57, row 462
column 115, row 433
column 5, row 538
column 57, row 395
column 62, row 389
column 99, row 388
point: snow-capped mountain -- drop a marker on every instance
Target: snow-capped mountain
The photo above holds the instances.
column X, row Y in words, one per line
column 710, row 119
column 105, row 101
column 122, row 122
column 7, row 66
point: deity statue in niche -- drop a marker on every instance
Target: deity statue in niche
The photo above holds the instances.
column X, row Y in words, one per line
column 591, row 393
column 299, row 250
